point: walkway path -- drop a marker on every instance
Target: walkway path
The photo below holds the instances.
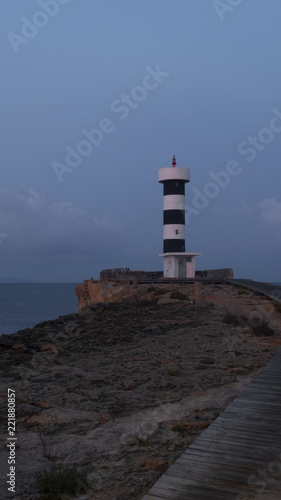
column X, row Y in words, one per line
column 239, row 455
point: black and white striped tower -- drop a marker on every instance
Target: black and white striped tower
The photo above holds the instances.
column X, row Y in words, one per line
column 177, row 262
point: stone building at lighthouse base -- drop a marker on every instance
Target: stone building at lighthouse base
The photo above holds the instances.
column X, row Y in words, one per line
column 179, row 265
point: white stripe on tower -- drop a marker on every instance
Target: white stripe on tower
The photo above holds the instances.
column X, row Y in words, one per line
column 174, row 231
column 174, row 202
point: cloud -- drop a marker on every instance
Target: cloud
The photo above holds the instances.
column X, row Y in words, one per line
column 243, row 209
column 270, row 210
column 36, row 227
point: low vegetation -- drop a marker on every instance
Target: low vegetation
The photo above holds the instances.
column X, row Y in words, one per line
column 262, row 329
column 179, row 427
column 231, row 319
column 174, row 372
column 258, row 326
column 160, row 291
column 59, row 480
column 277, row 308
column 178, row 295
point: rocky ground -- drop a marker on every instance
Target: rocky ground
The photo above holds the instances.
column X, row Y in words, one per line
column 122, row 389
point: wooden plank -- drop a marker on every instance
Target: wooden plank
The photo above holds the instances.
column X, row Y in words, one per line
column 245, row 438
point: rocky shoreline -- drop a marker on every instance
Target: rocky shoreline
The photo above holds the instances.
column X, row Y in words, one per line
column 125, row 386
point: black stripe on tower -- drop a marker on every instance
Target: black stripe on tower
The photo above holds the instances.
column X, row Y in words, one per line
column 173, row 246
column 174, row 217
column 174, row 186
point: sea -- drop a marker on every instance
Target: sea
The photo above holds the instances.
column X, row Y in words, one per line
column 23, row 305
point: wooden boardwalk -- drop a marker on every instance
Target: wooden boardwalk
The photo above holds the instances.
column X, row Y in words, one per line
column 223, row 463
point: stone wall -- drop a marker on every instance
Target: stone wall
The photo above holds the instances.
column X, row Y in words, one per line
column 226, row 273
column 126, row 274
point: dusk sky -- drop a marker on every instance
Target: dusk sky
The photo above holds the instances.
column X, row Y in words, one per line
column 96, row 96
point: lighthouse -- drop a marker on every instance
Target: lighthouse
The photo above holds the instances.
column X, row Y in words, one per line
column 177, row 262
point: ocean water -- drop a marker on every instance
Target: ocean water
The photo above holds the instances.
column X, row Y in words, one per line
column 24, row 305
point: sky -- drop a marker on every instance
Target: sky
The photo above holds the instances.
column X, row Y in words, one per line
column 96, row 96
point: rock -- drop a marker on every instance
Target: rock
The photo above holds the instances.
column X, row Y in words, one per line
column 50, row 348
column 106, row 387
